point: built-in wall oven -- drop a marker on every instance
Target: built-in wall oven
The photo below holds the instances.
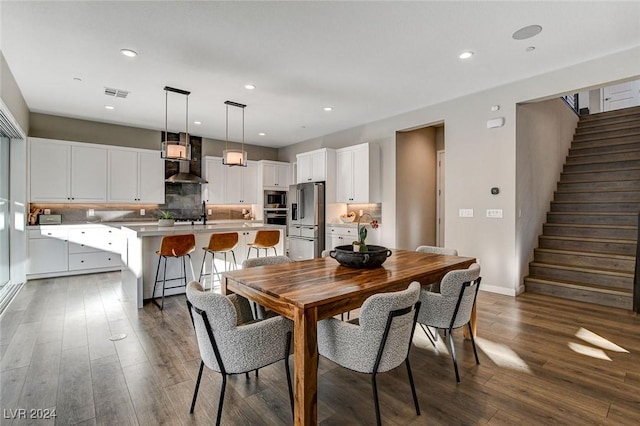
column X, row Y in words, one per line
column 275, row 216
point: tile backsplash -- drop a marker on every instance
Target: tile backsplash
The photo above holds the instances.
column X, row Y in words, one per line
column 79, row 213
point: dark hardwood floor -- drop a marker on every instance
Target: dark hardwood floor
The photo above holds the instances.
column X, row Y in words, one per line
column 543, row 361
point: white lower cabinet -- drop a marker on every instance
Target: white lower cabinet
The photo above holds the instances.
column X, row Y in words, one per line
column 48, row 251
column 340, row 236
column 59, row 250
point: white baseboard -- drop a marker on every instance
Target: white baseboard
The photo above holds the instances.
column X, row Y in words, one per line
column 501, row 290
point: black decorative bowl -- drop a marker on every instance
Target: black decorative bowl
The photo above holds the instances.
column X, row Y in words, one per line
column 372, row 258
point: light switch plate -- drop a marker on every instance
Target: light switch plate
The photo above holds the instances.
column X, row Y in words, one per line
column 209, row 212
column 91, row 212
column 465, row 212
column 494, row 213
column 142, row 212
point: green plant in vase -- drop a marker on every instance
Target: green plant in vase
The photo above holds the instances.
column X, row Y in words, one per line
column 360, row 245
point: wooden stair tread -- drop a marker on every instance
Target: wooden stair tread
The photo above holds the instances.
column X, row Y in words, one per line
column 620, row 169
column 597, row 271
column 586, row 253
column 595, row 213
column 580, row 286
column 589, row 191
column 591, row 240
column 612, row 127
column 590, row 225
column 622, row 151
column 614, row 113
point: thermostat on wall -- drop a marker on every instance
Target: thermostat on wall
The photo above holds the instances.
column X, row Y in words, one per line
column 495, row 122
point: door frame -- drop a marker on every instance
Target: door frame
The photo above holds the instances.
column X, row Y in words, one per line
column 440, row 169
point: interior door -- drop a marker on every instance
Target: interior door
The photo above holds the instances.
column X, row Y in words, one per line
column 623, row 95
column 4, row 211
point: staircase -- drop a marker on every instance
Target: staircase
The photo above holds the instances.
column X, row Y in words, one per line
column 588, row 246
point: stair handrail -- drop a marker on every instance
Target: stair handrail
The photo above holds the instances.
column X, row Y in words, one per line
column 636, row 275
column 572, row 102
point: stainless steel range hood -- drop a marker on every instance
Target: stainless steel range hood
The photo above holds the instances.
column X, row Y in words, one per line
column 184, row 175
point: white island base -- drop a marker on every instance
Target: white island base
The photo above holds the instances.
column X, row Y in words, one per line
column 140, row 260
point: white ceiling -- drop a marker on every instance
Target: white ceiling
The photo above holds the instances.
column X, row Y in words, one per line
column 368, row 60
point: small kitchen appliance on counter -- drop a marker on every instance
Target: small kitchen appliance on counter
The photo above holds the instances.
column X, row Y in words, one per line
column 49, row 219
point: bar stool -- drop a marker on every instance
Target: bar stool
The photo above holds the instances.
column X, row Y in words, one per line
column 219, row 243
column 265, row 239
column 175, row 246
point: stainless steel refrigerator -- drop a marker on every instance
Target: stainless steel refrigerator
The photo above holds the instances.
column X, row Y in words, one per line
column 306, row 220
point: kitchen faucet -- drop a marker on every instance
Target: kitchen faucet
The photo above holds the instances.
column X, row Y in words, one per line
column 204, row 213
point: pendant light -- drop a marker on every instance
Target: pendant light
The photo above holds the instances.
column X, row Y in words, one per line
column 234, row 157
column 176, row 150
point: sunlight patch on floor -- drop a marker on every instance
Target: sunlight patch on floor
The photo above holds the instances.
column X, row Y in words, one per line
column 422, row 341
column 596, row 340
column 588, row 351
column 502, row 355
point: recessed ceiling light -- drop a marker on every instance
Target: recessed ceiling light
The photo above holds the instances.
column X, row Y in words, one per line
column 128, row 52
column 249, row 86
column 527, row 32
column 262, row 134
column 328, row 108
column 197, row 122
column 466, row 55
column 109, row 107
column 77, row 79
column 530, row 49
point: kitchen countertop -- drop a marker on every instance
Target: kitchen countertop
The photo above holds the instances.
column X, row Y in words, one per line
column 145, row 223
column 350, row 225
column 151, row 230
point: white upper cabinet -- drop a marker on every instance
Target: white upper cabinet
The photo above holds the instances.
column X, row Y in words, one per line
column 275, row 175
column 316, row 166
column 358, row 174
column 151, row 177
column 67, row 172
column 214, row 173
column 242, row 184
column 230, row 184
column 136, row 176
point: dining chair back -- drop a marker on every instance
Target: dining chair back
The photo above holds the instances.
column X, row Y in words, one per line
column 259, row 312
column 435, row 286
column 452, row 307
column 378, row 341
column 231, row 341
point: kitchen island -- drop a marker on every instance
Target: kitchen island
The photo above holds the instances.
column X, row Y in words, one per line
column 140, row 260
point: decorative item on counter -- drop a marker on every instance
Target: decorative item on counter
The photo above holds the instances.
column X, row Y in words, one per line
column 246, row 214
column 166, row 219
column 348, row 218
column 33, row 215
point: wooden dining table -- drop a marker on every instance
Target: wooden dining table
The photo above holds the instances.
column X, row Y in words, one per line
column 311, row 290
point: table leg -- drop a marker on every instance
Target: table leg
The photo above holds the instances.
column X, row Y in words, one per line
column 306, row 362
column 473, row 325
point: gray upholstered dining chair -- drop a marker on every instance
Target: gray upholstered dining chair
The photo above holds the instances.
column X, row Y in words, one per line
column 378, row 341
column 452, row 307
column 435, row 287
column 258, row 311
column 231, row 341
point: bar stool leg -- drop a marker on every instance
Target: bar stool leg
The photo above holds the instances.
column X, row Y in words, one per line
column 164, row 282
column 153, row 294
column 235, row 264
column 193, row 274
column 204, row 258
column 275, row 252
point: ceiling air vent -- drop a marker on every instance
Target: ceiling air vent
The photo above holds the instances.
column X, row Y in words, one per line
column 118, row 93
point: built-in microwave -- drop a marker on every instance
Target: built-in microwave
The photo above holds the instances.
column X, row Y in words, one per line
column 275, row 199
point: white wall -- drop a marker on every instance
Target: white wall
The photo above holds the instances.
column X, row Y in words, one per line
column 478, row 159
column 544, row 134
